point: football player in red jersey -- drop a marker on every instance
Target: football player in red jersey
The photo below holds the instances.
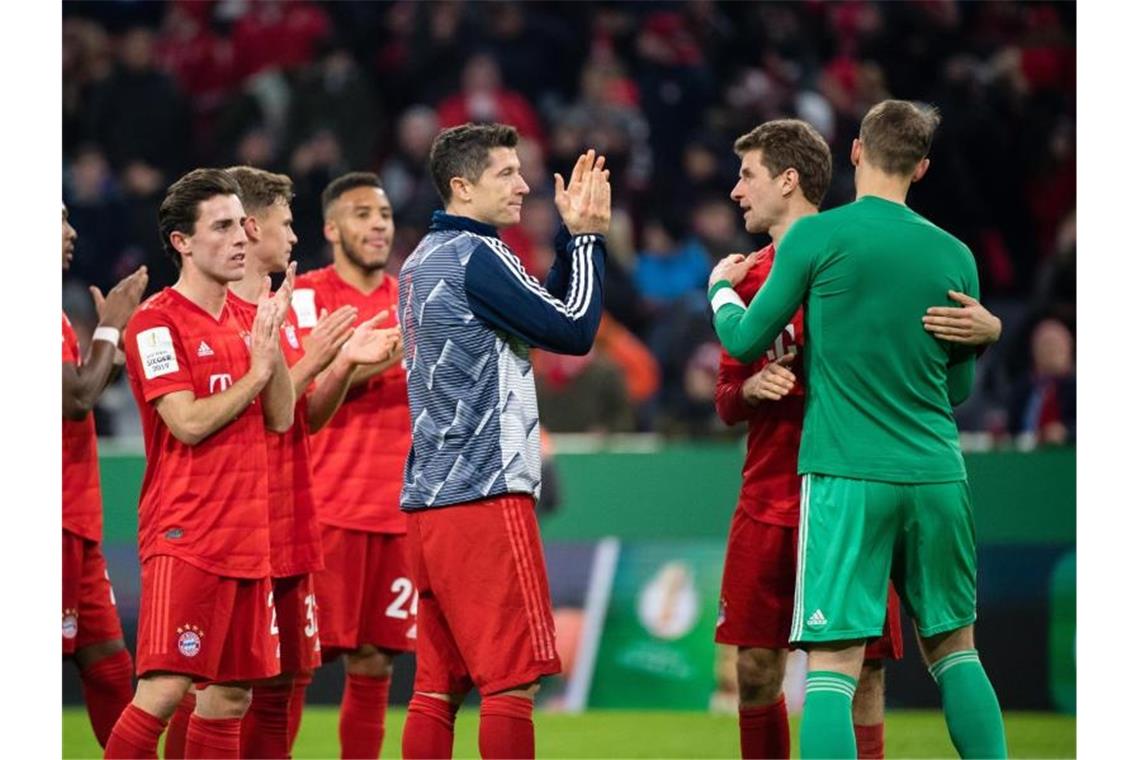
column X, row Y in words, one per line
column 207, row 390
column 92, row 633
column 294, row 534
column 367, row 600
column 785, row 171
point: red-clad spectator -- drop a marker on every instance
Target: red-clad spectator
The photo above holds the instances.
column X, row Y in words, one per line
column 283, row 35
column 484, row 99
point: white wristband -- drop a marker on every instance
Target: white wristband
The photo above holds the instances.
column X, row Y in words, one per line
column 109, row 334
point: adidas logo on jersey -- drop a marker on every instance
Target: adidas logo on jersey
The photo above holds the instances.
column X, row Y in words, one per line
column 817, row 620
column 204, row 349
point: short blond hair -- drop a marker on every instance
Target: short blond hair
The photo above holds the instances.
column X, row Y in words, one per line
column 897, row 134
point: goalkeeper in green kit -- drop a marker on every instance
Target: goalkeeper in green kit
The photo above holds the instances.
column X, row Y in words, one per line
column 884, row 492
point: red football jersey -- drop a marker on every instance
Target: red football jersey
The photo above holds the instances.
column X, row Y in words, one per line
column 294, row 534
column 82, row 503
column 358, row 457
column 770, row 491
column 205, row 504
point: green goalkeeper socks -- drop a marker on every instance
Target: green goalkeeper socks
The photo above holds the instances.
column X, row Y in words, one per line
column 826, row 729
column 973, row 715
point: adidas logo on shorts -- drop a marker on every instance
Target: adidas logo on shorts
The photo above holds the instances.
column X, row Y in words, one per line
column 817, row 620
column 204, row 349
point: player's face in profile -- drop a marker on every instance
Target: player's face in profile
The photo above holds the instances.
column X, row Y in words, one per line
column 758, row 194
column 498, row 195
column 217, row 247
column 363, row 227
column 277, row 237
column 69, row 238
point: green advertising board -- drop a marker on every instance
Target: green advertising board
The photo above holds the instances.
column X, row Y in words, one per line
column 1063, row 634
column 656, row 650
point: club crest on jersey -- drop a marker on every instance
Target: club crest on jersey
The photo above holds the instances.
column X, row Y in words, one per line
column 189, row 640
column 70, row 624
column 291, row 337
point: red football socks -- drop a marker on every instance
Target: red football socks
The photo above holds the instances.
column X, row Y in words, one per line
column 135, row 735
column 506, row 727
column 107, row 691
column 301, row 683
column 175, row 747
column 362, row 716
column 429, row 731
column 869, row 741
column 764, row 731
column 265, row 727
column 213, row 738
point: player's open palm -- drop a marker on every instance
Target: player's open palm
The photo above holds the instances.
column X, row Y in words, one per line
column 330, row 333
column 370, row 343
column 116, row 308
column 283, row 298
column 264, row 345
column 771, row 383
column 584, row 203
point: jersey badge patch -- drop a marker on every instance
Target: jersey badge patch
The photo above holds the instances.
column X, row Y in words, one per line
column 156, row 350
column 305, row 307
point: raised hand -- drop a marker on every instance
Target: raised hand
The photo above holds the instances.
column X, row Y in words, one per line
column 372, row 344
column 329, row 334
column 970, row 324
column 585, row 203
column 116, row 308
column 283, row 298
column 771, row 383
column 733, row 267
column 265, row 345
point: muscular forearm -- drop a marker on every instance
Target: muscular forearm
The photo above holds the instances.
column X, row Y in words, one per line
column 327, row 396
column 82, row 384
column 303, row 373
column 192, row 420
column 365, row 372
column 277, row 398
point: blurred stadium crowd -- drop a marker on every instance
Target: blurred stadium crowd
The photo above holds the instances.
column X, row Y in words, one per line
column 310, row 89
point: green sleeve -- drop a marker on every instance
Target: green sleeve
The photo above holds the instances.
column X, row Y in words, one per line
column 960, row 373
column 747, row 333
column 960, row 378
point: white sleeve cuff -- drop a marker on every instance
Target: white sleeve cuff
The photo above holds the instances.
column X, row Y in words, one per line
column 726, row 296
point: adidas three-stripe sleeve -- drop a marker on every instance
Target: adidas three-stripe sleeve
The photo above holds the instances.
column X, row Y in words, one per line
column 502, row 294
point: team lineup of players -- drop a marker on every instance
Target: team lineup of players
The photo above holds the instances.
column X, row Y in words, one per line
column 334, row 467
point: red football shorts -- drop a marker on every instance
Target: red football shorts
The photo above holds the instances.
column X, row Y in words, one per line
column 759, row 587
column 295, row 600
column 205, row 626
column 485, row 618
column 89, row 613
column 365, row 592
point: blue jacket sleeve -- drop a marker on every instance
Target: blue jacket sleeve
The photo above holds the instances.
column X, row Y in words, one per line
column 504, row 296
column 558, row 278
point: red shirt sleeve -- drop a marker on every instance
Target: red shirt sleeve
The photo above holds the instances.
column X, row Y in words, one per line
column 730, row 377
column 70, row 343
column 155, row 354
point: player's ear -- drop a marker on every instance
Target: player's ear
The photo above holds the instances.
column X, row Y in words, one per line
column 252, row 229
column 856, row 151
column 332, row 233
column 181, row 241
column 460, row 189
column 920, row 170
column 789, row 181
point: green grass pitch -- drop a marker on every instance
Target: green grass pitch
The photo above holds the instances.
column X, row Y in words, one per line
column 621, row 734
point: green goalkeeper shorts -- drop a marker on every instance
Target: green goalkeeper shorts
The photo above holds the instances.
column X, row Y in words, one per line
column 857, row 534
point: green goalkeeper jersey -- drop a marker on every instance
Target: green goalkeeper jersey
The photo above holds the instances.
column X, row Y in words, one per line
column 879, row 387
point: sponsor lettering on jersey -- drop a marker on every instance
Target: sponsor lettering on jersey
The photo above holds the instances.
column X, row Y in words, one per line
column 156, row 349
column 220, row 382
